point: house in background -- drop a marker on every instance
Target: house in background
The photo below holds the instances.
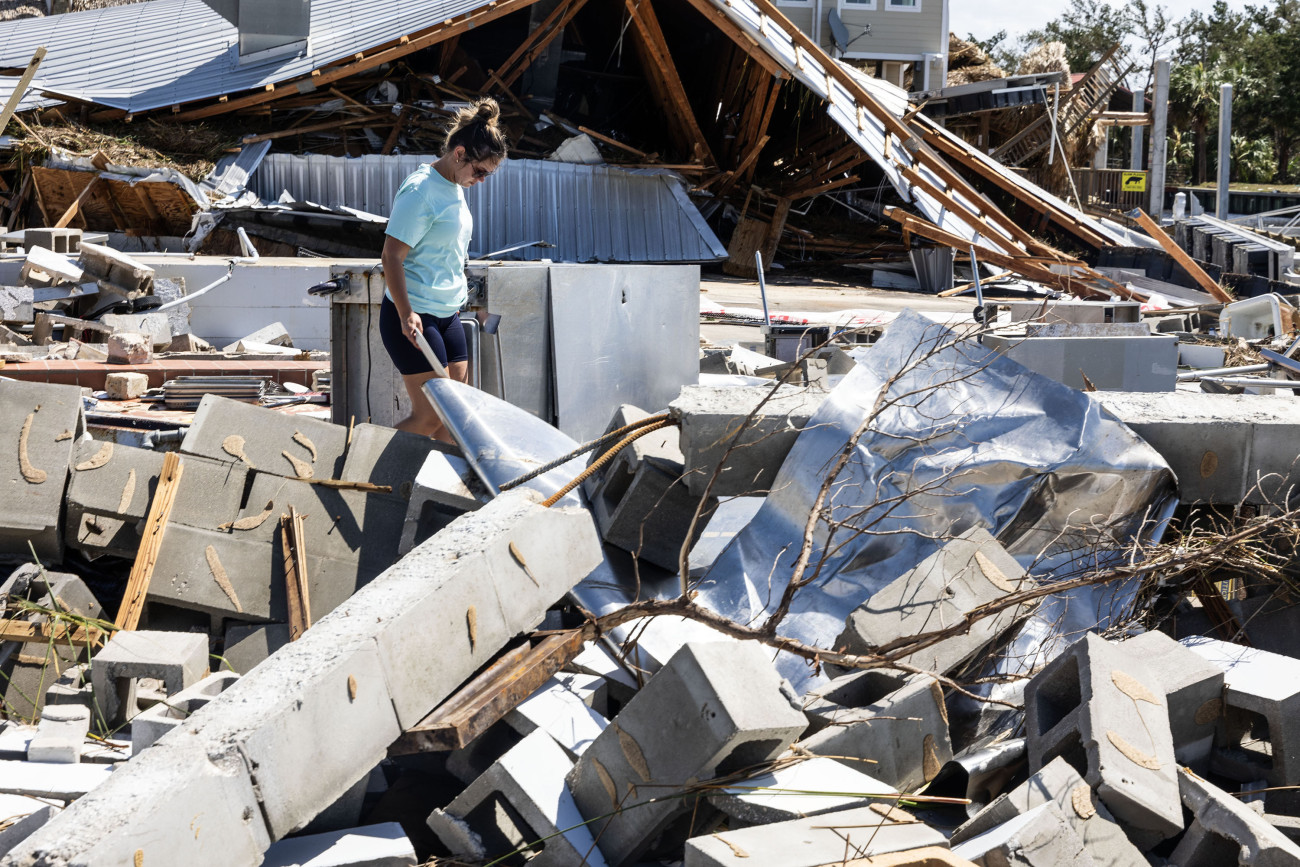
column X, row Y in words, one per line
column 893, row 37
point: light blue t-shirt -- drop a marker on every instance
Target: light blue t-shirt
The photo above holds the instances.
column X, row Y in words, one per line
column 431, row 217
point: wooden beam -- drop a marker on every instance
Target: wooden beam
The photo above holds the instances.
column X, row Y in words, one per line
column 609, row 141
column 63, row 633
column 372, row 120
column 75, row 208
column 294, row 544
column 662, row 75
column 744, row 164
column 137, row 585
column 755, row 52
column 20, row 89
column 532, row 47
column 1170, row 246
column 395, row 134
column 489, row 696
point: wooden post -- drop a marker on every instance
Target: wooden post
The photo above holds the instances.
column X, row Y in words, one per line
column 11, row 105
column 137, row 585
column 295, row 573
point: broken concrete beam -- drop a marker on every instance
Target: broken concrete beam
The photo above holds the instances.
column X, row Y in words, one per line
column 116, row 269
column 898, row 722
column 542, row 816
column 444, row 487
column 864, row 832
column 64, row 241
column 1193, row 689
column 559, row 711
column 807, row 788
column 126, row 347
column 716, row 431
column 126, row 386
column 25, row 816
column 274, row 334
column 177, row 659
column 1225, row 831
column 151, row 724
column 48, row 268
column 384, row 845
column 1258, row 735
column 970, row 570
column 663, row 738
column 1060, row 784
column 38, row 425
column 156, row 327
column 1102, row 710
column 1041, row 837
column 247, row 645
column 234, row 432
column 60, row 735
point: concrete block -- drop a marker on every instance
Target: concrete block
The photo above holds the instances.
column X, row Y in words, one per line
column 23, row 817
column 383, row 845
column 187, row 342
column 620, row 684
column 274, row 334
column 899, row 722
column 60, row 735
column 645, row 508
column 63, row 241
column 247, row 645
column 33, row 486
column 57, row 781
column 267, row 436
column 1112, row 362
column 712, row 709
column 970, row 570
column 559, row 711
column 444, row 487
column 151, row 724
column 48, row 268
column 1100, row 708
column 1223, row 448
column 61, row 591
column 178, row 659
column 73, row 687
column 25, row 675
column 1258, row 735
column 864, row 832
column 1058, row 783
column 520, row 802
column 116, row 269
column 1193, row 689
column 156, row 327
column 807, row 788
column 1225, row 831
column 1042, row 837
column 126, row 386
column 713, row 424
column 173, row 804
column 384, row 456
column 127, row 347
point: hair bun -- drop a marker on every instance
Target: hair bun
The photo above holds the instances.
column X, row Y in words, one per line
column 488, row 110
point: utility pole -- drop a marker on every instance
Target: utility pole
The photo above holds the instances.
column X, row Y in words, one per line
column 1160, row 113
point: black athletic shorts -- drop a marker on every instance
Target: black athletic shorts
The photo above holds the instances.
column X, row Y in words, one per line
column 445, row 334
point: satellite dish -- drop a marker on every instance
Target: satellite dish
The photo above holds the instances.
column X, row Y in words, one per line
column 839, row 32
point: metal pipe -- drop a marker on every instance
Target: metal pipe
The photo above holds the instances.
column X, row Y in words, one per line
column 1193, row 375
column 1255, row 381
column 250, row 255
column 1225, row 149
column 975, row 278
column 1135, row 148
column 762, row 289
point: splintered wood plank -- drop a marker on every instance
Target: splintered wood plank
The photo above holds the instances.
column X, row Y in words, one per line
column 62, row 633
column 491, row 695
column 294, row 544
column 1180, row 256
column 665, row 83
column 137, row 585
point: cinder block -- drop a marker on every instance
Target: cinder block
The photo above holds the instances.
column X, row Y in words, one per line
column 559, row 711
column 384, row 456
column 970, row 570
column 73, row 687
column 713, row 708
column 129, row 347
column 1258, row 735
column 1193, row 689
column 60, row 591
column 151, row 724
column 806, row 788
column 645, row 508
column 25, row 676
column 177, row 659
column 60, row 735
column 126, row 386
column 1058, row 783
column 264, row 438
column 34, row 471
column 383, row 845
column 44, row 267
column 538, row 812
column 1100, row 708
column 714, row 424
column 64, row 241
column 116, row 269
column 865, row 832
column 248, row 644
column 1225, row 831
column 899, row 722
column 444, row 488
column 1042, row 837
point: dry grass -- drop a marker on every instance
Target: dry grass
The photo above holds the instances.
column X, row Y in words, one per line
column 191, row 149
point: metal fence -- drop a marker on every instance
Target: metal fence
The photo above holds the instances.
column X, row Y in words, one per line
column 1112, row 188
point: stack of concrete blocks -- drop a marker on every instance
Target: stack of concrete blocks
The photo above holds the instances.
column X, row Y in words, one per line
column 641, row 501
column 742, row 433
column 1226, row 831
column 253, row 765
column 154, row 722
column 520, row 804
column 970, row 570
column 1099, row 707
column 808, row 787
column 714, row 708
column 1193, row 689
column 39, row 424
column 831, row 838
column 177, row 659
column 1258, row 736
column 894, row 721
column 1086, row 817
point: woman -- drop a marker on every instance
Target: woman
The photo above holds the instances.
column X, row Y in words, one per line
column 424, row 257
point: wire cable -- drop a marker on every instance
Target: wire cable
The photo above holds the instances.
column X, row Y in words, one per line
column 582, row 450
column 600, row 462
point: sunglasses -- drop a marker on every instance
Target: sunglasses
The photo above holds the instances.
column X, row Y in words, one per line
column 480, row 173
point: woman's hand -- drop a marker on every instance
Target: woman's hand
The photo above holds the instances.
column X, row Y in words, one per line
column 412, row 325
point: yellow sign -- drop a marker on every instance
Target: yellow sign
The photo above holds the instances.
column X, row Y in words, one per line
column 1135, row 182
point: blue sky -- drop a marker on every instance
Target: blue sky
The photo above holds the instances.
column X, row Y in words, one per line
column 986, row 17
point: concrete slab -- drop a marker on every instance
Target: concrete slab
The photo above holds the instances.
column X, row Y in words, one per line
column 806, row 788
column 383, row 845
column 266, row 437
column 39, row 423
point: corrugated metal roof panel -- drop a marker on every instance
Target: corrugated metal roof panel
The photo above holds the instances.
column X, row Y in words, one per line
column 590, row 213
column 167, row 52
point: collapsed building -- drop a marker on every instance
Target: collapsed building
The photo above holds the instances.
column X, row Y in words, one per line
column 1009, row 583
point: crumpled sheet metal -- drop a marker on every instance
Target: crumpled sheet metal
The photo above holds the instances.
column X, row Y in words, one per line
column 962, row 437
